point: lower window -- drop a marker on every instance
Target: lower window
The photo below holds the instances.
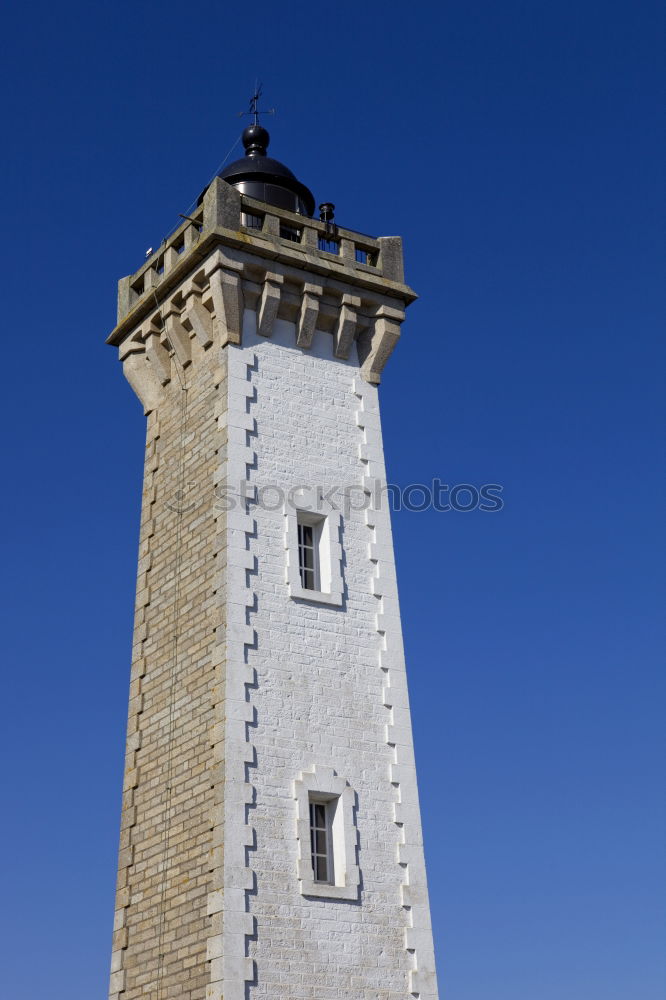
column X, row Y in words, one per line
column 326, row 832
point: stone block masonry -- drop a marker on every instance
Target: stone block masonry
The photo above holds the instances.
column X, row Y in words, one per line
column 165, row 851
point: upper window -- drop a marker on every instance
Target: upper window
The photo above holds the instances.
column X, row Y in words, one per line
column 314, row 555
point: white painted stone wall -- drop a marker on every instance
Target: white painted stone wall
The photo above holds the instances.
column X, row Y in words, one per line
column 330, row 691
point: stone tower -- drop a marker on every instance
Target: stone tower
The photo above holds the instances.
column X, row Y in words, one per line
column 270, row 837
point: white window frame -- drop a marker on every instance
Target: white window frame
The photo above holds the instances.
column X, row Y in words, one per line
column 323, row 785
column 328, row 562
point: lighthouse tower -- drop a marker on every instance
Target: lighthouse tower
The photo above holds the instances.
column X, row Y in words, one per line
column 270, row 837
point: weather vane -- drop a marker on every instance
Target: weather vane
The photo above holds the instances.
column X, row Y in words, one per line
column 254, row 102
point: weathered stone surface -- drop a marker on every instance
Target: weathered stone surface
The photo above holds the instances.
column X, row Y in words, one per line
column 222, row 205
column 391, row 258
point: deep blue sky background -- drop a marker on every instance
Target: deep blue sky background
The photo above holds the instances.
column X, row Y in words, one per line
column 516, row 147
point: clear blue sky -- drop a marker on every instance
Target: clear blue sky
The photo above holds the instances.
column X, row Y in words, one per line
column 516, row 148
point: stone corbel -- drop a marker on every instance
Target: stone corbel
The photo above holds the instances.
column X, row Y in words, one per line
column 141, row 375
column 376, row 344
column 199, row 319
column 227, row 295
column 345, row 330
column 158, row 356
column 307, row 320
column 179, row 337
column 269, row 303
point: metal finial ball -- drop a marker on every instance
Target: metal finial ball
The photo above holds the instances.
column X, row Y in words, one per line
column 255, row 140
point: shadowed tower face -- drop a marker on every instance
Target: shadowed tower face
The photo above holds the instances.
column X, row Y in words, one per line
column 270, row 838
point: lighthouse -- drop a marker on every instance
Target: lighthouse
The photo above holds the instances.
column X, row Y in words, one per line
column 270, row 844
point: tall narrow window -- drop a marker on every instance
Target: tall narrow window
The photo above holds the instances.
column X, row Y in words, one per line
column 320, row 842
column 308, row 554
column 327, row 864
column 314, row 552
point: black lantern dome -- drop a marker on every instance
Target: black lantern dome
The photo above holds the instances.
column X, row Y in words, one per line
column 261, row 177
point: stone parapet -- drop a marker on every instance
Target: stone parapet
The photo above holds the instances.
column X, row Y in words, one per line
column 285, row 262
column 207, row 307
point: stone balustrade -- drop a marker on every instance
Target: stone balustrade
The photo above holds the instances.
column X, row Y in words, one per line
column 234, row 254
column 294, row 239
